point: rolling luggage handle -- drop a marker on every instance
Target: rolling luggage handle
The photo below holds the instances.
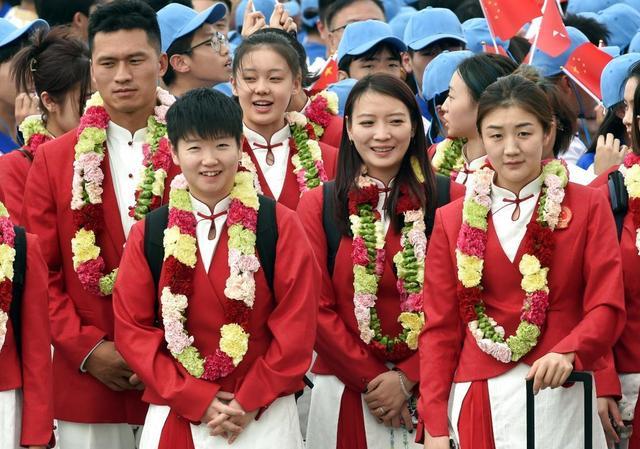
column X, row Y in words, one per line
column 587, row 383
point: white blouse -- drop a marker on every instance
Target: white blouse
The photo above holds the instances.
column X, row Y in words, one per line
column 274, row 174
column 207, row 247
column 465, row 176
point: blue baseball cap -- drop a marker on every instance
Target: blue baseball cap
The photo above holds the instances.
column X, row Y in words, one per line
column 576, row 6
column 292, row 8
column 438, row 73
column 549, row 66
column 342, row 89
column 476, row 31
column 177, row 20
column 635, row 4
column 430, row 25
column 622, row 21
column 391, row 9
column 266, row 7
column 613, row 77
column 399, row 23
column 360, row 37
column 9, row 32
column 634, row 46
column 308, row 7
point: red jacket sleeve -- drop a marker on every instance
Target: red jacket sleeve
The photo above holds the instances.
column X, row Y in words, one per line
column 442, row 338
column 607, row 380
column 292, row 322
column 341, row 349
column 37, row 387
column 142, row 344
column 71, row 337
column 603, row 300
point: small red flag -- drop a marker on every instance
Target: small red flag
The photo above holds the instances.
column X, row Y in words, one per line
column 552, row 36
column 495, row 49
column 585, row 66
column 329, row 75
column 507, row 17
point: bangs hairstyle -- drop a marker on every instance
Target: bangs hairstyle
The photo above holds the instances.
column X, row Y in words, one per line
column 479, row 71
column 516, row 91
column 350, row 162
column 55, row 62
column 204, row 113
column 125, row 15
column 271, row 40
column 374, row 51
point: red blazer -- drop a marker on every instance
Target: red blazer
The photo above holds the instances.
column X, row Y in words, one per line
column 14, row 168
column 78, row 319
column 586, row 313
column 282, row 328
column 333, row 132
column 290, row 194
column 32, row 370
column 340, row 350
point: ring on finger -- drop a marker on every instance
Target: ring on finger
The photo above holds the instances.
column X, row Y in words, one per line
column 381, row 411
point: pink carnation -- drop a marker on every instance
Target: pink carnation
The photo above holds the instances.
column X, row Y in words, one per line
column 365, row 300
column 359, row 253
column 552, row 181
column 472, row 241
column 7, row 234
column 248, row 264
column 302, row 181
column 217, row 366
column 380, row 261
column 322, row 174
column 239, row 213
column 89, row 274
column 413, row 303
column 162, row 157
column 161, row 113
column 94, row 117
column 183, row 219
column 363, row 316
column 317, row 111
column 631, row 159
column 401, row 289
column 179, row 182
column 537, row 312
column 177, row 340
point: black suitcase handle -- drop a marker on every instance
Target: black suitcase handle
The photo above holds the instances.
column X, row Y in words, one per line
column 587, row 383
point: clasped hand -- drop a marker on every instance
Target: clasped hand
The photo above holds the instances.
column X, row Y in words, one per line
column 387, row 402
column 226, row 417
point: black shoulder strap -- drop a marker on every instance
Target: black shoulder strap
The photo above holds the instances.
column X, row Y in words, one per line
column 443, row 185
column 19, row 270
column 619, row 199
column 267, row 237
column 328, row 222
column 155, row 223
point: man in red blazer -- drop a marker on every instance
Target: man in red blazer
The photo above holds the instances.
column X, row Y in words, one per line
column 96, row 397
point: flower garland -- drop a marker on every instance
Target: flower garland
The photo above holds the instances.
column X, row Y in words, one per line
column 631, row 172
column 321, row 109
column 534, row 265
column 307, row 158
column 448, row 159
column 86, row 200
column 7, row 257
column 34, row 133
column 180, row 247
column 368, row 256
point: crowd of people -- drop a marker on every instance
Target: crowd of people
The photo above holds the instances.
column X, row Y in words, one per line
column 346, row 224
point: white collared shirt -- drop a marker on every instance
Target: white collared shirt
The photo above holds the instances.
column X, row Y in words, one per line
column 511, row 232
column 579, row 175
column 125, row 161
column 382, row 199
column 576, row 149
column 274, row 174
column 207, row 247
column 464, row 178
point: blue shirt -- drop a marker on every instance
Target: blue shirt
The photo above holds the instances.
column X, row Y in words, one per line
column 422, row 104
column 314, row 50
column 7, row 144
column 586, row 160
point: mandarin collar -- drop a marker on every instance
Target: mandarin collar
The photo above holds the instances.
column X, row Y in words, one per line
column 281, row 135
column 533, row 188
column 199, row 206
column 124, row 134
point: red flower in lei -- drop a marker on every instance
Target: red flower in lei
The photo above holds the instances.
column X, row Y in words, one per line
column 359, row 196
column 35, row 141
column 317, row 112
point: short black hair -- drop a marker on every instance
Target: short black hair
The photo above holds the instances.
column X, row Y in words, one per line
column 469, row 9
column 205, row 113
column 10, row 50
column 446, row 43
column 181, row 46
column 374, row 51
column 61, row 12
column 272, row 39
column 594, row 30
column 157, row 5
column 480, row 71
column 125, row 15
column 328, row 10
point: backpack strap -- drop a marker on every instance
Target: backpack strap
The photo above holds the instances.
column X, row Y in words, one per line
column 19, row 270
column 328, row 222
column 155, row 223
column 443, row 186
column 619, row 199
column 267, row 237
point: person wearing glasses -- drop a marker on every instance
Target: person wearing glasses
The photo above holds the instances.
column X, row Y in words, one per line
column 198, row 54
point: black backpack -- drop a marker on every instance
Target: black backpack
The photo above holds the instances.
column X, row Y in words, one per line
column 19, row 270
column 266, row 238
column 619, row 199
column 443, row 184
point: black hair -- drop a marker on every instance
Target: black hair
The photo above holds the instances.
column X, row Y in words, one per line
column 435, row 128
column 205, row 113
column 469, row 9
column 181, row 46
column 307, row 78
column 350, row 163
column 55, row 62
column 157, row 5
column 479, row 71
column 61, row 12
column 591, row 28
column 448, row 4
column 328, row 10
column 125, row 15
column 447, row 44
column 519, row 48
column 611, row 124
column 10, row 50
column 273, row 40
column 374, row 51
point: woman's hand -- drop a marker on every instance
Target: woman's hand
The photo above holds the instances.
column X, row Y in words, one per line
column 26, row 104
column 384, row 396
column 608, row 411
column 253, row 20
column 609, row 152
column 233, row 426
column 435, row 442
column 551, row 371
column 281, row 19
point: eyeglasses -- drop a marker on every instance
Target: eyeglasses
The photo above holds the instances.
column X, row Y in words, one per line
column 217, row 40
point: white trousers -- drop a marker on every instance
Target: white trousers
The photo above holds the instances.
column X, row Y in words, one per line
column 10, row 418
column 73, row 435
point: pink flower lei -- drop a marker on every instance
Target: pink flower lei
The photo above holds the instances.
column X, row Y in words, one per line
column 7, row 258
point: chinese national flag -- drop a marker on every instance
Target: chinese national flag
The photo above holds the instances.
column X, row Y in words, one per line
column 506, row 17
column 329, row 75
column 552, row 38
column 490, row 48
column 585, row 66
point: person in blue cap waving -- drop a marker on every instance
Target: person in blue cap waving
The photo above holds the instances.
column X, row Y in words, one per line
column 198, row 54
